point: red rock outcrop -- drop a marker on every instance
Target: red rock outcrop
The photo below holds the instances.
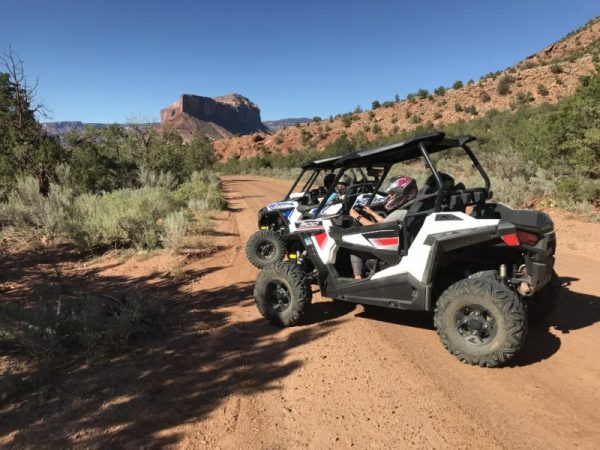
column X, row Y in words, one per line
column 217, row 118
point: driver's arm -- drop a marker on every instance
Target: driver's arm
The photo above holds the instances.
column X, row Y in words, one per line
column 378, row 218
column 360, row 219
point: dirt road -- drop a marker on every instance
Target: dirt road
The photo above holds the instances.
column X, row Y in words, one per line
column 384, row 380
column 343, row 379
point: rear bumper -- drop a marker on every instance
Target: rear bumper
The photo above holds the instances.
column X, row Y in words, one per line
column 540, row 261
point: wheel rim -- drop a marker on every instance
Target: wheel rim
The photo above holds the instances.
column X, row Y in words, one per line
column 475, row 324
column 278, row 295
column 265, row 249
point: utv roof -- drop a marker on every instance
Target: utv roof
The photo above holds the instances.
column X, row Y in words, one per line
column 327, row 163
column 405, row 150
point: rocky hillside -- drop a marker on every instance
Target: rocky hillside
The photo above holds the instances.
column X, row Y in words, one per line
column 275, row 125
column 546, row 76
column 217, row 118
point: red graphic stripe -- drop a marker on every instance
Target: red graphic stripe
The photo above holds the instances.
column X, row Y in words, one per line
column 321, row 238
column 384, row 242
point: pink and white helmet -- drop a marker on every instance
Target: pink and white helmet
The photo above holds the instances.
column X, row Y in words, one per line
column 400, row 191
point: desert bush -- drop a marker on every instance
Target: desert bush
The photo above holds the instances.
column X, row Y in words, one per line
column 524, row 97
column 440, row 91
column 150, row 178
column 422, row 93
column 415, row 118
column 34, row 215
column 484, row 97
column 556, row 68
column 52, row 328
column 457, row 84
column 375, row 104
column 121, row 218
column 176, row 226
column 504, row 84
column 202, row 186
column 376, row 128
column 542, row 90
column 471, row 110
column 458, row 107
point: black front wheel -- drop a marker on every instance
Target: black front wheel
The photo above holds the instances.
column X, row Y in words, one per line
column 265, row 248
column 481, row 321
column 282, row 293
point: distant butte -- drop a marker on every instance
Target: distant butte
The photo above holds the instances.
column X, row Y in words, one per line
column 217, row 118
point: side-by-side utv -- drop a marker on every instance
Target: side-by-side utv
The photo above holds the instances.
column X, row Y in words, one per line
column 482, row 268
column 276, row 238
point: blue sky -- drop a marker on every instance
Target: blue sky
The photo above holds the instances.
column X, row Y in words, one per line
column 105, row 61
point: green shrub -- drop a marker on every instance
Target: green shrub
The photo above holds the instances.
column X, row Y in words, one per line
column 415, row 118
column 457, row 84
column 411, row 98
column 437, row 115
column 376, row 128
column 484, row 97
column 316, row 119
column 440, row 91
column 121, row 218
column 556, row 68
column 458, row 107
column 524, row 97
column 504, row 84
column 422, row 93
column 151, row 178
column 33, row 215
column 471, row 110
column 542, row 90
column 175, row 227
column 375, row 104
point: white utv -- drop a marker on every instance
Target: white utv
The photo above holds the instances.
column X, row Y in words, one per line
column 276, row 238
column 482, row 268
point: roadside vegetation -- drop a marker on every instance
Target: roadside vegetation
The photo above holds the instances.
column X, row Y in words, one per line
column 548, row 155
column 118, row 187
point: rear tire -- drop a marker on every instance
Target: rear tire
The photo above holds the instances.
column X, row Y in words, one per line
column 481, row 322
column 542, row 303
column 265, row 248
column 282, row 293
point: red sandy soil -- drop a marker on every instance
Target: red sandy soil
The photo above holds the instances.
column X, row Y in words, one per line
column 222, row 377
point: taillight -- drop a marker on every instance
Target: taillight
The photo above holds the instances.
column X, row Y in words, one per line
column 511, row 239
column 528, row 238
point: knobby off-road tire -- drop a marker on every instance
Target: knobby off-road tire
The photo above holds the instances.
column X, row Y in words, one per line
column 265, row 248
column 282, row 293
column 481, row 321
column 542, row 303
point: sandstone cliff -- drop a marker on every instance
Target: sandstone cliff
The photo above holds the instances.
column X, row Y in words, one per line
column 217, row 118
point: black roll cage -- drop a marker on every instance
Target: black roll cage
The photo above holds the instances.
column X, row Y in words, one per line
column 410, row 149
column 327, row 164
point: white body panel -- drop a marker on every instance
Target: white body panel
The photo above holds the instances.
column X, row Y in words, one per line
column 415, row 262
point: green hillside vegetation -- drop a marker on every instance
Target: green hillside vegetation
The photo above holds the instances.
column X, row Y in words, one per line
column 548, row 153
column 114, row 186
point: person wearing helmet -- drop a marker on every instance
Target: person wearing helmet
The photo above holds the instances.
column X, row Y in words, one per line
column 400, row 192
column 340, row 188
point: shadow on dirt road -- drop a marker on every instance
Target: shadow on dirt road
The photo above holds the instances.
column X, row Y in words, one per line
column 178, row 377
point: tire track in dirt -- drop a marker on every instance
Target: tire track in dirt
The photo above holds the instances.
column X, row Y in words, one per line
column 383, row 379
